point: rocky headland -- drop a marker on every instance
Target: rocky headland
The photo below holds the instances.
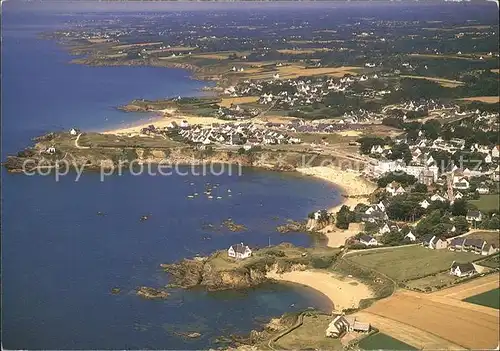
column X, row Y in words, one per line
column 220, row 272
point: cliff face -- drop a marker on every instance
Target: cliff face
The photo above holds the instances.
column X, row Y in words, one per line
column 95, row 157
column 191, row 273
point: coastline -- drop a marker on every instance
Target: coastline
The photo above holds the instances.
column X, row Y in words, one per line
column 343, row 292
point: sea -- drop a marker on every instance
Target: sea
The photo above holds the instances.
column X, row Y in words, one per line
column 60, row 259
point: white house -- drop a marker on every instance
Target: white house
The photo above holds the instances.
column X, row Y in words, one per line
column 337, row 327
column 239, row 251
column 474, row 216
column 462, row 184
column 462, row 269
column 424, row 204
column 410, row 236
column 73, row 131
column 488, row 159
column 495, row 152
column 437, row 197
column 368, row 240
column 384, row 229
column 483, row 189
column 184, row 124
column 400, row 191
column 376, row 149
column 51, row 150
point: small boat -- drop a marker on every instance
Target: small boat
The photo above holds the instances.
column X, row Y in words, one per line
column 210, row 197
column 144, row 218
column 195, row 194
column 219, row 197
column 228, row 190
column 190, row 196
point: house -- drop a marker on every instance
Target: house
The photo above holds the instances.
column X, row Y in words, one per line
column 173, row 125
column 495, row 152
column 239, row 251
column 437, row 197
column 51, row 150
column 424, row 204
column 461, row 184
column 73, row 131
column 184, row 124
column 462, row 269
column 474, row 245
column 433, row 242
column 483, row 189
column 426, row 240
column 488, row 249
column 384, row 229
column 337, row 327
column 357, row 326
column 438, row 243
column 456, row 244
column 368, row 240
column 474, row 216
column 410, row 236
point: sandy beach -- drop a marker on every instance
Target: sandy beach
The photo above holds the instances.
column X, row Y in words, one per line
column 343, row 292
column 351, row 183
column 161, row 120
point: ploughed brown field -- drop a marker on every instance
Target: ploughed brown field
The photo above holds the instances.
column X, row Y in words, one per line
column 444, row 315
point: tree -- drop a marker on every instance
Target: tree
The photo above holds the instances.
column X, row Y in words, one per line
column 461, row 225
column 432, row 129
column 344, row 217
column 392, row 238
column 420, row 188
column 459, row 208
column 401, row 151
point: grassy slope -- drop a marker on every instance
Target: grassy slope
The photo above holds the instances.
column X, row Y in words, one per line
column 410, row 262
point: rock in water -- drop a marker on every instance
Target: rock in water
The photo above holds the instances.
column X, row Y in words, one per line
column 152, row 293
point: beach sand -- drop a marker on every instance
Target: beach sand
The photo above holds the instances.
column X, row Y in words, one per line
column 162, row 120
column 352, row 184
column 343, row 292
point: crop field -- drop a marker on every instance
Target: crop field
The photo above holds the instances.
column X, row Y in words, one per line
column 447, row 83
column 295, row 71
column 486, row 202
column 410, row 262
column 227, row 102
column 381, row 341
column 302, row 51
column 489, row 299
column 487, row 99
column 449, row 321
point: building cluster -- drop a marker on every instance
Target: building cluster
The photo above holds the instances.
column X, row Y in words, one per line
column 290, row 93
column 245, row 134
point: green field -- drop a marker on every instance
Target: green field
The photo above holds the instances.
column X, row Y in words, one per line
column 489, row 299
column 410, row 262
column 311, row 332
column 486, row 202
column 382, row 341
